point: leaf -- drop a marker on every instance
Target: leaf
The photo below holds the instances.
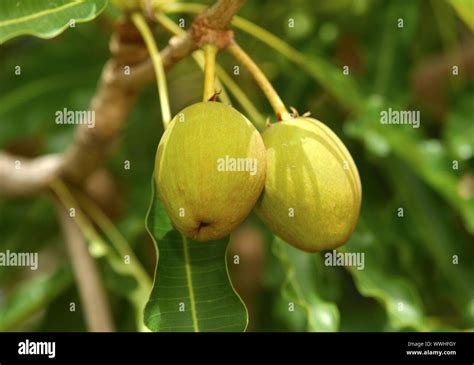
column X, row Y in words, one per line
column 192, row 291
column 36, row 214
column 434, row 228
column 428, row 159
column 392, row 46
column 33, row 295
column 459, row 129
column 51, row 79
column 395, row 291
column 409, row 259
column 44, row 19
column 300, row 289
column 28, row 92
column 465, row 10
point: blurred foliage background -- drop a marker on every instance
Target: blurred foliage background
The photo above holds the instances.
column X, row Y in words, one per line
column 409, row 282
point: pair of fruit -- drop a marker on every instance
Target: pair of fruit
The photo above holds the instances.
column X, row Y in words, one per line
column 212, row 166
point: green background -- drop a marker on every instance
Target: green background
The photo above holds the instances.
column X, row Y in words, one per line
column 410, row 281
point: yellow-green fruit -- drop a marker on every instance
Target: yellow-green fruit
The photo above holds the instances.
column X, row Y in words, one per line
column 210, row 170
column 312, row 192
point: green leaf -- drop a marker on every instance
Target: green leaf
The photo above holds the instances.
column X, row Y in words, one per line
column 192, row 291
column 301, row 290
column 428, row 159
column 37, row 215
column 394, row 291
column 459, row 129
column 434, row 229
column 465, row 10
column 44, row 19
column 32, row 296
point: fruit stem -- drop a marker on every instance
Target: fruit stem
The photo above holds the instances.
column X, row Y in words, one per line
column 152, row 47
column 316, row 68
column 277, row 104
column 210, row 52
column 198, row 56
column 174, row 7
column 253, row 113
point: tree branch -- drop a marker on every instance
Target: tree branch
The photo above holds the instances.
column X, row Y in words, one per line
column 221, row 13
column 114, row 98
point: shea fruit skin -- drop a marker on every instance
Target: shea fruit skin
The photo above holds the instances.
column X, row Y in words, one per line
column 312, row 193
column 210, row 170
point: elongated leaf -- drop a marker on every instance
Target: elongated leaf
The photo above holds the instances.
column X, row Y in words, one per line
column 465, row 10
column 37, row 216
column 301, row 292
column 31, row 296
column 395, row 291
column 429, row 159
column 44, row 19
column 409, row 259
column 192, row 291
column 459, row 130
column 434, row 227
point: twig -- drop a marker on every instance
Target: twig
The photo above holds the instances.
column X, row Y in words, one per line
column 118, row 241
column 140, row 294
column 198, row 55
column 96, row 306
column 222, row 78
column 219, row 15
column 98, row 246
column 261, row 79
column 114, row 98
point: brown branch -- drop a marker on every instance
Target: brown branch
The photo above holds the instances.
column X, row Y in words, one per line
column 91, row 291
column 114, row 98
column 31, row 176
column 220, row 14
column 217, row 17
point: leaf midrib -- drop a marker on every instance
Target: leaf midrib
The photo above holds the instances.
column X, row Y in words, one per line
column 189, row 279
column 39, row 14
